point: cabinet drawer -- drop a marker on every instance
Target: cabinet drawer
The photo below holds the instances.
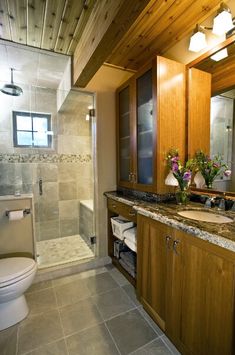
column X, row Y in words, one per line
column 122, row 209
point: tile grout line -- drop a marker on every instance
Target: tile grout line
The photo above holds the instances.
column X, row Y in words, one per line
column 149, row 323
column 168, row 347
column 52, row 342
column 141, row 347
column 112, row 338
column 61, row 323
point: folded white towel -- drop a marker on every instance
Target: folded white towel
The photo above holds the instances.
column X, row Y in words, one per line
column 130, row 234
column 130, row 245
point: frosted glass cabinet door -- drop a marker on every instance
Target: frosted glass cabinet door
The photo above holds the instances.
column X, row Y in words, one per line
column 145, row 129
column 124, row 133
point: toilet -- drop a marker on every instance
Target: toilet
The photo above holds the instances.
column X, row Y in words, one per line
column 16, row 275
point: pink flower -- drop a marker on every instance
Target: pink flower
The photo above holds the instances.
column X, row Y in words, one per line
column 227, row 172
column 175, row 167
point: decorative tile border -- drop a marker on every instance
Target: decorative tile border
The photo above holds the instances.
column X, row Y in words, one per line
column 45, row 158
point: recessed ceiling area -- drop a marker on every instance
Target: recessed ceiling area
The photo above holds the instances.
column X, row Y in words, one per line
column 32, row 66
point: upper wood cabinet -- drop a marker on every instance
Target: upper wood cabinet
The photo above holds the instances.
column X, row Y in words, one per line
column 187, row 286
column 150, row 121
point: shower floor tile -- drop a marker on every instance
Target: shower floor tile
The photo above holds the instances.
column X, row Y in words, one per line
column 62, row 250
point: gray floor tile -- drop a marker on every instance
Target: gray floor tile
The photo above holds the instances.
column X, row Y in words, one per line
column 156, row 347
column 130, row 331
column 100, row 283
column 56, row 348
column 41, row 301
column 40, row 286
column 130, row 290
column 150, row 321
column 79, row 316
column 170, row 345
column 39, row 330
column 8, row 341
column 96, row 341
column 118, row 277
column 71, row 292
column 112, row 303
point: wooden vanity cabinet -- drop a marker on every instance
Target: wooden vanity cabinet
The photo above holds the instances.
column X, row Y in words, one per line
column 187, row 286
column 150, row 121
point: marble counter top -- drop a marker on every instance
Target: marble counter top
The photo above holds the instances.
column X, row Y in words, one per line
column 222, row 235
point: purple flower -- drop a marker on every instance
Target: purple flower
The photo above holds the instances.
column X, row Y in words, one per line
column 187, row 176
column 175, row 167
column 227, row 172
column 174, row 159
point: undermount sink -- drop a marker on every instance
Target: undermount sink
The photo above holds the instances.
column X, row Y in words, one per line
column 205, row 216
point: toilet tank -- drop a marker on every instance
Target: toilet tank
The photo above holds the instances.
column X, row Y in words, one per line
column 17, row 235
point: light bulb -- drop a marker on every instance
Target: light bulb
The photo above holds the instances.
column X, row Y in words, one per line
column 197, row 42
column 222, row 23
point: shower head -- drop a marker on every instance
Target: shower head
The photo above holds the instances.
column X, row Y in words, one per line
column 12, row 89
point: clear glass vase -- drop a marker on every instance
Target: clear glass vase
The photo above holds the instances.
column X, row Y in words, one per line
column 182, row 196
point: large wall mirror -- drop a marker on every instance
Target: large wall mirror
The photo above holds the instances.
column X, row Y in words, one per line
column 222, row 108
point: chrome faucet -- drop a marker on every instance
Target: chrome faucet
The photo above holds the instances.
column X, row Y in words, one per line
column 209, row 202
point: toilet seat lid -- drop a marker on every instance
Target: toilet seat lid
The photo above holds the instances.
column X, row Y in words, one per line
column 12, row 268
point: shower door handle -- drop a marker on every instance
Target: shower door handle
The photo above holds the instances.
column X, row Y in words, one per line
column 40, row 186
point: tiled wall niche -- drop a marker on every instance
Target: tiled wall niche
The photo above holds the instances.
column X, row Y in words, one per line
column 66, row 169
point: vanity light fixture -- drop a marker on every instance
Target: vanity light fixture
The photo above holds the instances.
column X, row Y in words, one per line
column 220, row 55
column 223, row 22
column 12, row 89
column 197, row 40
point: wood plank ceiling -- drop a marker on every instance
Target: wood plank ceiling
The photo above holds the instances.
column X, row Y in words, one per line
column 125, row 33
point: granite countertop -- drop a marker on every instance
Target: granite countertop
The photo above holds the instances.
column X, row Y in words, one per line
column 166, row 212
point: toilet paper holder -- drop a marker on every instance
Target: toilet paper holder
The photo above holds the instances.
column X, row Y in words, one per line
column 25, row 211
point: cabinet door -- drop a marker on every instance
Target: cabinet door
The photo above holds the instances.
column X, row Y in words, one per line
column 144, row 129
column 152, row 267
column 207, row 301
column 124, row 136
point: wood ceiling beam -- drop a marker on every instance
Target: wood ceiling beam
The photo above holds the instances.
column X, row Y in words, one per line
column 107, row 24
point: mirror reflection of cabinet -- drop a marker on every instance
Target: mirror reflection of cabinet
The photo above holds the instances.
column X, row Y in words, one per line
column 221, row 129
column 149, row 124
column 199, row 95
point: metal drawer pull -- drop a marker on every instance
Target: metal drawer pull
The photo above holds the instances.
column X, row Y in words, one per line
column 168, row 239
column 132, row 213
column 175, row 243
column 114, row 206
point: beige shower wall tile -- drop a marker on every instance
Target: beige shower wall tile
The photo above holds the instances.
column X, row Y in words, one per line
column 48, row 211
column 67, row 171
column 48, row 172
column 68, row 227
column 49, row 230
column 68, row 190
column 84, row 190
column 74, row 144
column 68, row 209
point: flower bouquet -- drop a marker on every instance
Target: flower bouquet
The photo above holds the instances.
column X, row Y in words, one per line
column 181, row 173
column 209, row 168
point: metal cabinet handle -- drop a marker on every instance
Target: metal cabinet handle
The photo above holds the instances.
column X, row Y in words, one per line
column 134, row 178
column 132, row 213
column 168, row 240
column 130, row 177
column 175, row 243
column 114, row 206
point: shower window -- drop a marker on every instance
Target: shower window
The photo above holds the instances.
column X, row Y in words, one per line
column 31, row 129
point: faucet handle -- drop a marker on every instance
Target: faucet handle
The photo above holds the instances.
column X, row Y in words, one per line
column 222, row 204
column 233, row 206
column 209, row 201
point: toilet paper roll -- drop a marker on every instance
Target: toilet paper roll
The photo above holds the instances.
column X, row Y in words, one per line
column 15, row 215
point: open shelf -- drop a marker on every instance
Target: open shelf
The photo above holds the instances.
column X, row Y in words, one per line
column 131, row 279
